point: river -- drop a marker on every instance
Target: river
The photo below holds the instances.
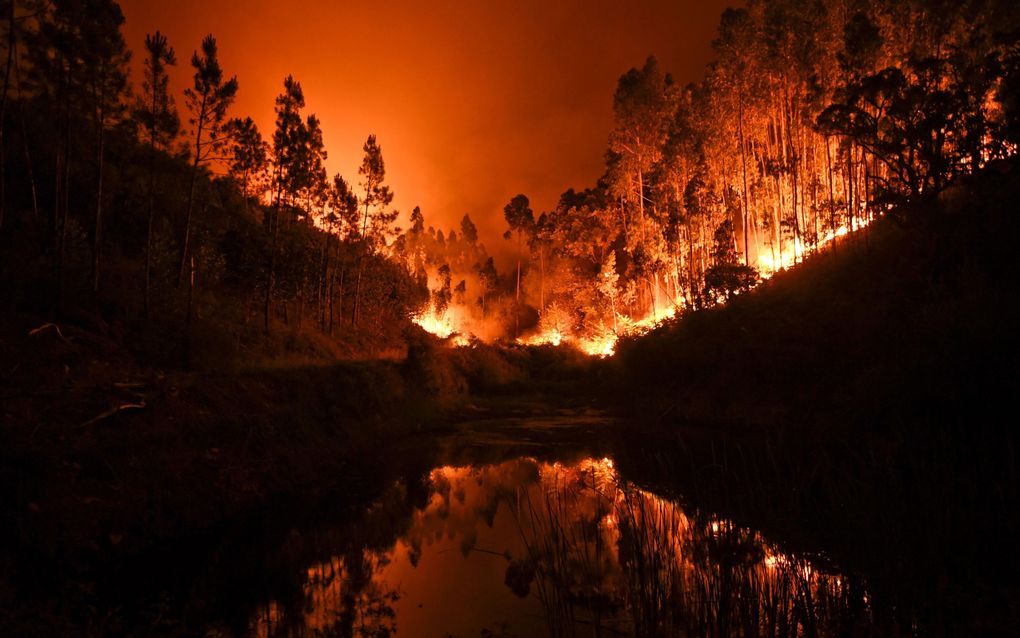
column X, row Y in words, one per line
column 523, row 527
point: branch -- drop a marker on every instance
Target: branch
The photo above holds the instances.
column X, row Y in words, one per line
column 112, row 411
column 46, row 326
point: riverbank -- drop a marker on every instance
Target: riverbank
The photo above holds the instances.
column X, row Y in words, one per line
column 859, row 406
column 107, row 458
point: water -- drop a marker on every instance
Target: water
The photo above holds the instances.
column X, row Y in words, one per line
column 528, row 547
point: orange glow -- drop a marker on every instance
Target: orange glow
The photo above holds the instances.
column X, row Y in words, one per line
column 472, row 102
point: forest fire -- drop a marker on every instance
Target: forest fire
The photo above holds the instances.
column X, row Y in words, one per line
column 601, row 340
column 444, row 326
column 207, row 271
column 439, row 325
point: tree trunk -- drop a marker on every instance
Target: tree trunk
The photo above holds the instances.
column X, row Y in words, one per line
column 357, row 289
column 340, row 292
column 361, row 257
column 517, row 297
column 199, row 125
column 63, row 199
column 24, row 137
column 743, row 172
column 692, row 280
column 11, row 39
column 148, row 234
column 274, row 228
column 832, row 196
column 541, row 288
column 324, row 281
column 97, row 238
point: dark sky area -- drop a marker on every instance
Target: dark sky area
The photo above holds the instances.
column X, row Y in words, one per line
column 472, row 101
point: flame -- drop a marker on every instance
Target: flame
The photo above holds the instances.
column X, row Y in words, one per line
column 767, row 262
column 602, row 346
column 441, row 326
column 551, row 338
column 602, row 342
column 444, row 325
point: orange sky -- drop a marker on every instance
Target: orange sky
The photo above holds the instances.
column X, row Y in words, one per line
column 472, row 101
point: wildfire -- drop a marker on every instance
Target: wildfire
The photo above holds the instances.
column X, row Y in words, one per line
column 602, row 345
column 443, row 325
column 551, row 338
column 602, row 342
column 769, row 263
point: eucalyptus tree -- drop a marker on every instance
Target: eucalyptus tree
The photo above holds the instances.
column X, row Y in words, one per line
column 521, row 221
column 734, row 70
column 487, row 280
column 641, row 108
column 468, row 230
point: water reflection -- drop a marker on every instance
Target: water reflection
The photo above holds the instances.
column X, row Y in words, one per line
column 526, row 548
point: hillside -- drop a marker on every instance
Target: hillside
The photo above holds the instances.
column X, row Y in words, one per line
column 859, row 406
column 910, row 321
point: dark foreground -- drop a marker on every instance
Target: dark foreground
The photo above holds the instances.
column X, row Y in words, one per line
column 521, row 526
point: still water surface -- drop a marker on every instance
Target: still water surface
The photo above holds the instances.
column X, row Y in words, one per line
column 528, row 547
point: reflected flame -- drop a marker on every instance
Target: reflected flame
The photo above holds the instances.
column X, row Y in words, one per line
column 583, row 529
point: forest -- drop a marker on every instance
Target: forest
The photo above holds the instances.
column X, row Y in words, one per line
column 148, row 214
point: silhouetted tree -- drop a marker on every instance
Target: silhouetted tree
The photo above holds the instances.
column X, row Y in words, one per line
column 207, row 100
column 468, row 231
column 105, row 59
column 249, row 153
column 727, row 275
column 287, row 140
column 521, row 221
column 377, row 197
column 157, row 114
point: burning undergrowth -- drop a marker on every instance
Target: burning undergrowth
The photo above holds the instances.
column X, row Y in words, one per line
column 452, row 374
column 571, row 313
